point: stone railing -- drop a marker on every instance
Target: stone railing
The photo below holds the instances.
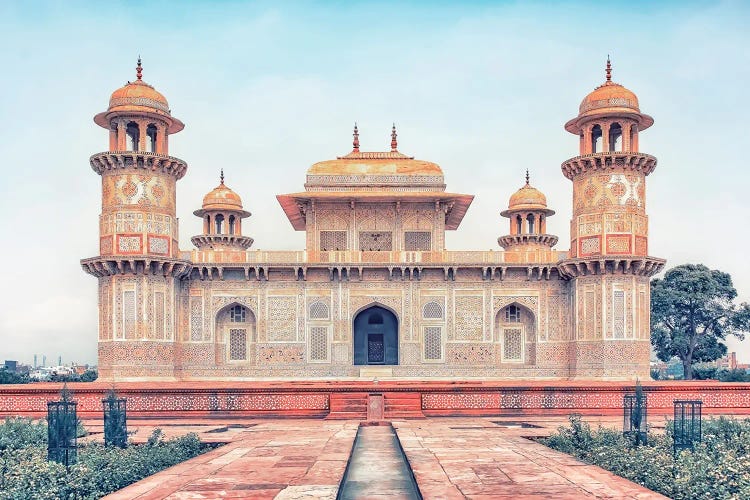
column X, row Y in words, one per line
column 447, row 257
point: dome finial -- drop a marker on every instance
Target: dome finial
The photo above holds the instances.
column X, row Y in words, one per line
column 609, row 69
column 356, row 138
column 394, row 142
column 527, row 176
column 222, row 177
column 139, row 69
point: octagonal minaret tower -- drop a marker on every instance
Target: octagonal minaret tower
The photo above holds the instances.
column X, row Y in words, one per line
column 222, row 216
column 138, row 266
column 609, row 262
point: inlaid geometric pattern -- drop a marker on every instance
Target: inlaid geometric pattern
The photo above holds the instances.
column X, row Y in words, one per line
column 433, row 343
column 237, row 344
column 513, row 344
column 468, row 317
column 432, row 310
column 331, row 241
column 618, row 244
column 590, row 246
column 158, row 245
column 375, row 241
column 196, row 318
column 282, row 318
column 128, row 244
column 159, row 315
column 319, row 310
column 319, row 343
column 418, row 241
column 128, row 314
column 618, row 306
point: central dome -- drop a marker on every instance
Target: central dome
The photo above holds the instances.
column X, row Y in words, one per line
column 376, row 163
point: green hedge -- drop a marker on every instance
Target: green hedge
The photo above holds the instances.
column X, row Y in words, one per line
column 718, row 468
column 26, row 474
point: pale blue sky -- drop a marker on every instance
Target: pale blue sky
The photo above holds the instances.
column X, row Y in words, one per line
column 266, row 89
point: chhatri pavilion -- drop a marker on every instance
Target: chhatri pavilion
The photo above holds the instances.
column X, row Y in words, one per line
column 375, row 293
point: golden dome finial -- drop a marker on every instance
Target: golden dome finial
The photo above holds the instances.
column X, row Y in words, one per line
column 527, row 176
column 394, row 142
column 609, row 69
column 221, row 177
column 356, row 138
column 139, row 69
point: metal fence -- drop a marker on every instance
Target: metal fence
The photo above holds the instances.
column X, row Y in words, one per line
column 635, row 417
column 62, row 430
column 687, row 424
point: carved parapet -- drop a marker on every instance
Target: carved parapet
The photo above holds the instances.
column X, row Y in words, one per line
column 109, row 266
column 214, row 241
column 114, row 160
column 635, row 265
column 512, row 240
column 628, row 160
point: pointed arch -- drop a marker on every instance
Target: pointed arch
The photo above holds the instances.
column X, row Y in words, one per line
column 375, row 335
column 235, row 328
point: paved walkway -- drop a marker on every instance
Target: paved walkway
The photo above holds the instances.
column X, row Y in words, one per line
column 452, row 458
column 456, row 458
column 284, row 459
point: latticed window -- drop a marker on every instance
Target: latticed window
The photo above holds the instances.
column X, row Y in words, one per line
column 237, row 344
column 376, row 242
column 618, row 305
column 318, row 343
column 513, row 344
column 418, row 241
column 512, row 314
column 319, row 310
column 433, row 343
column 237, row 314
column 432, row 310
column 331, row 241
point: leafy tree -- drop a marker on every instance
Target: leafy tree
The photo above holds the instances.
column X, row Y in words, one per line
column 693, row 312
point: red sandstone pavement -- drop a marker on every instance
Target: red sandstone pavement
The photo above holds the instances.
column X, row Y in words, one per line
column 452, row 458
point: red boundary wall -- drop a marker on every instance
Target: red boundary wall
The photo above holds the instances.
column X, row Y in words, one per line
column 349, row 399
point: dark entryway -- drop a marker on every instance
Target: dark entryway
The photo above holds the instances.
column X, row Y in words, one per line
column 375, row 337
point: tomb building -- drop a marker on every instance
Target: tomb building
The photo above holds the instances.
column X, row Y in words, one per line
column 375, row 292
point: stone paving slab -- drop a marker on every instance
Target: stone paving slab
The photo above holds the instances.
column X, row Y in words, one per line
column 451, row 460
column 274, row 459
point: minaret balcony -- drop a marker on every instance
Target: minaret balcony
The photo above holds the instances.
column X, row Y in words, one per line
column 607, row 161
column 117, row 160
column 109, row 266
column 622, row 264
column 222, row 241
column 516, row 240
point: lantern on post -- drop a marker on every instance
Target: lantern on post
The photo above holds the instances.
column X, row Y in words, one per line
column 687, row 424
column 115, row 421
column 635, row 416
column 62, row 427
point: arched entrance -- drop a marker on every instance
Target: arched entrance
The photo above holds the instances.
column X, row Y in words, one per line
column 375, row 337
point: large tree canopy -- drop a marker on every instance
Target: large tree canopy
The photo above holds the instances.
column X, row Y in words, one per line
column 693, row 312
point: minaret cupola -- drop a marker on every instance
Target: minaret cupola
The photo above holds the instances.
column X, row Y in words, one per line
column 222, row 216
column 138, row 118
column 527, row 212
column 609, row 119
